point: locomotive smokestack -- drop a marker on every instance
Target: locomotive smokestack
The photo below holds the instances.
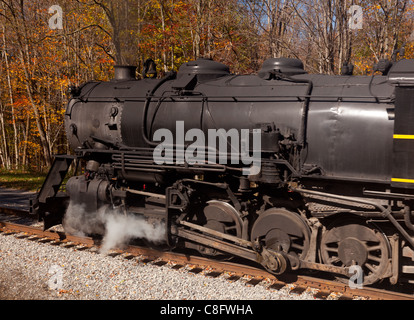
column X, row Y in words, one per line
column 123, row 73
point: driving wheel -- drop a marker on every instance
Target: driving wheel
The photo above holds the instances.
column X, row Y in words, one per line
column 282, row 231
column 352, row 242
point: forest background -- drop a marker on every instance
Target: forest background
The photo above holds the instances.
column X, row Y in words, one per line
column 48, row 45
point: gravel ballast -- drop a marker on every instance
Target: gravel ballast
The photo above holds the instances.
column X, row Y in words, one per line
column 37, row 271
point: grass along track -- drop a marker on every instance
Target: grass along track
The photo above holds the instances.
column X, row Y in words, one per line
column 28, row 181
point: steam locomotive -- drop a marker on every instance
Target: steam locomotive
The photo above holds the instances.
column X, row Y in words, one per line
column 331, row 186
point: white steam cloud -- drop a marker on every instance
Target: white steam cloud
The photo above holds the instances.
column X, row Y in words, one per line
column 118, row 229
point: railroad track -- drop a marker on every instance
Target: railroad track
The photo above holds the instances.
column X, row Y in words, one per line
column 195, row 264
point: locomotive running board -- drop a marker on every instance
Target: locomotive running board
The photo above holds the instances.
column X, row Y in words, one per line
column 244, row 249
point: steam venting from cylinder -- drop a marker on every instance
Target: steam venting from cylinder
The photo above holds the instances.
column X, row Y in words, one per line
column 125, row 73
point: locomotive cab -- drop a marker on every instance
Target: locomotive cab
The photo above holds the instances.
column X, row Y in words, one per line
column 402, row 76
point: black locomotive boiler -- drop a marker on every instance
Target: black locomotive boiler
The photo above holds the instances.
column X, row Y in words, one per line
column 335, row 186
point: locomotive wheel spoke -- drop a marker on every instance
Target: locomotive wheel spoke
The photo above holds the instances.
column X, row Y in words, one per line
column 334, row 260
column 332, row 249
column 227, row 229
column 374, row 258
column 298, row 246
column 374, row 248
column 371, row 267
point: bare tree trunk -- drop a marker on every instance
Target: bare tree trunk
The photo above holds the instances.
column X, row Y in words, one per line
column 164, row 49
column 26, row 138
column 4, row 150
column 198, row 30
column 15, row 138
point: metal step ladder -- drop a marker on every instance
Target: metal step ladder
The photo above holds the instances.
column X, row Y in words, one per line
column 48, row 205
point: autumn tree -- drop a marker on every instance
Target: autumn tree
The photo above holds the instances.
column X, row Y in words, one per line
column 38, row 63
column 387, row 26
